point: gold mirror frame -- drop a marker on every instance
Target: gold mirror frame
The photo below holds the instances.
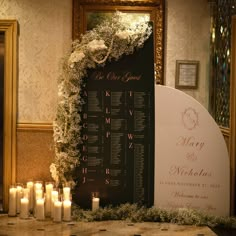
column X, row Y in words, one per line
column 232, row 138
column 153, row 7
column 9, row 28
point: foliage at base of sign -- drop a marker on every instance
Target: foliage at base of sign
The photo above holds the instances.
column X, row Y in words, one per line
column 135, row 213
column 113, row 38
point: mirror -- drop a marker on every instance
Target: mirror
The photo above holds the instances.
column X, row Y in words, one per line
column 8, row 34
column 232, row 147
column 82, row 10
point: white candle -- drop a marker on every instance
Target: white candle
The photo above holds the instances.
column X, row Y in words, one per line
column 30, row 186
column 39, row 210
column 66, row 210
column 25, row 193
column 24, row 208
column 49, row 188
column 95, row 203
column 38, row 185
column 66, row 193
column 57, row 211
column 38, row 194
column 53, row 199
column 18, row 197
column 12, row 202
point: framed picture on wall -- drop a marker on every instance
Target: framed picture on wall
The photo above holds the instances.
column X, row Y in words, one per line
column 186, row 76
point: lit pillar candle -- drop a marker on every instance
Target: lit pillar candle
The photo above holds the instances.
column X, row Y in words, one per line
column 38, row 185
column 66, row 210
column 25, row 193
column 57, row 211
column 30, row 186
column 18, row 197
column 39, row 209
column 12, row 201
column 38, row 194
column 66, row 193
column 95, row 203
column 48, row 198
column 53, row 199
column 24, row 208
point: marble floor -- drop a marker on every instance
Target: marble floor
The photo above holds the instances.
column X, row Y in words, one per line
column 14, row 226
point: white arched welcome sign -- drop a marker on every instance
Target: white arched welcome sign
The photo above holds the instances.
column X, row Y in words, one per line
column 191, row 158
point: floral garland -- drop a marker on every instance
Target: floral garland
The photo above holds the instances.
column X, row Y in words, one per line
column 135, row 213
column 110, row 40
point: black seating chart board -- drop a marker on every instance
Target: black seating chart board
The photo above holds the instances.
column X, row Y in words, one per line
column 117, row 154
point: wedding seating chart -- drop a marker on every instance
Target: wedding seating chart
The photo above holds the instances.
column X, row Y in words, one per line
column 117, row 161
column 191, row 158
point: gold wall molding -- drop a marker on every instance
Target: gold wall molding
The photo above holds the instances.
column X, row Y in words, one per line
column 226, row 134
column 225, row 131
column 120, row 2
column 159, row 43
column 40, row 127
column 10, row 31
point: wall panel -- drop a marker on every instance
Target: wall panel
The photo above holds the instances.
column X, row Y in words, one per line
column 35, row 152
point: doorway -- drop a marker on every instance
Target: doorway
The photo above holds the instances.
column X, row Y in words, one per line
column 8, row 88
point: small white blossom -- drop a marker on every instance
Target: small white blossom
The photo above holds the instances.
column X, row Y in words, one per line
column 96, row 45
column 61, row 89
column 125, row 34
column 54, row 173
column 75, row 56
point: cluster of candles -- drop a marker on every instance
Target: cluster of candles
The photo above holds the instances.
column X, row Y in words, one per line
column 32, row 198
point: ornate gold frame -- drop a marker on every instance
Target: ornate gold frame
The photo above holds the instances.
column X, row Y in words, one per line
column 154, row 7
column 9, row 28
column 232, row 136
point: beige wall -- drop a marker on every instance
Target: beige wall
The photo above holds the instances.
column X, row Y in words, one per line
column 34, row 155
column 45, row 29
column 187, row 38
column 45, row 36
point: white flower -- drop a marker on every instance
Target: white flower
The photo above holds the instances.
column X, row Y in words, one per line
column 54, row 173
column 123, row 34
column 61, row 89
column 75, row 56
column 96, row 45
column 132, row 21
column 139, row 21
